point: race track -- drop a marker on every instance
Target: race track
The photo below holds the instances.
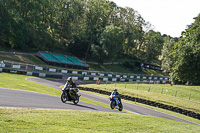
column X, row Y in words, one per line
column 10, row 98
column 56, row 83
column 27, row 99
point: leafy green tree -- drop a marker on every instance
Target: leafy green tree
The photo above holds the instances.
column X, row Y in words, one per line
column 152, row 45
column 4, row 24
column 13, row 31
column 78, row 26
column 97, row 14
column 165, row 57
column 186, row 55
column 111, row 41
column 131, row 23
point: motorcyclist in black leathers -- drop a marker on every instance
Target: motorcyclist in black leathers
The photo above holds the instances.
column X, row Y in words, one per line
column 70, row 87
column 69, row 84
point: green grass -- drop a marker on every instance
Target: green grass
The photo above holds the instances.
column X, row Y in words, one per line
column 122, row 69
column 36, row 60
column 16, row 81
column 30, row 120
column 18, row 58
column 109, row 68
column 168, row 97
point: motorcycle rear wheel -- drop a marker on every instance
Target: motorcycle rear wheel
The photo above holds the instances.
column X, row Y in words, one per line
column 77, row 100
column 120, row 107
column 64, row 98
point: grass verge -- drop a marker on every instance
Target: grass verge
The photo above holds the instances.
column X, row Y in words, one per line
column 122, row 69
column 32, row 120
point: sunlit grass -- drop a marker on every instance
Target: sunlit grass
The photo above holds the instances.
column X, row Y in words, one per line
column 31, row 120
column 162, row 93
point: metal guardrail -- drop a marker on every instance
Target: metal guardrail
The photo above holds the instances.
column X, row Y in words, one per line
column 18, row 53
column 97, row 75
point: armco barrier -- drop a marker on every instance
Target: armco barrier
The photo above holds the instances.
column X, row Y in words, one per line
column 148, row 102
column 37, row 74
column 105, row 79
column 104, row 76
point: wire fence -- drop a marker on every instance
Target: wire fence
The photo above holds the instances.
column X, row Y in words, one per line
column 179, row 91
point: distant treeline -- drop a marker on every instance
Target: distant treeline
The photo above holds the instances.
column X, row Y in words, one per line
column 96, row 29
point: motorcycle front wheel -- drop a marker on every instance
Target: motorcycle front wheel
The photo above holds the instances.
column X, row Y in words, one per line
column 112, row 105
column 64, row 97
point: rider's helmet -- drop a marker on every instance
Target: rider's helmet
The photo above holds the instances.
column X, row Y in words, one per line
column 115, row 89
column 69, row 79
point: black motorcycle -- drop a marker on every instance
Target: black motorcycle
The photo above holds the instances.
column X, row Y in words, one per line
column 70, row 95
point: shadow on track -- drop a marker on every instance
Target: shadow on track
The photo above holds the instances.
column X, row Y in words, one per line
column 81, row 106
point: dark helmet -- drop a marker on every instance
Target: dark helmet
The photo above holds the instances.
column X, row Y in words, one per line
column 115, row 89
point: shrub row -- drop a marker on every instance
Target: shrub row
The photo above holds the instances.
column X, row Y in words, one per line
column 148, row 102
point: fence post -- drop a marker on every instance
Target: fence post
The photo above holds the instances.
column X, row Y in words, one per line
column 189, row 96
column 162, row 91
column 149, row 88
column 125, row 85
column 135, row 98
column 33, row 68
column 19, row 67
column 175, row 93
column 137, row 86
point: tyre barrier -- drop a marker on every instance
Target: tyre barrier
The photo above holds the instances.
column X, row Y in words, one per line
column 148, row 102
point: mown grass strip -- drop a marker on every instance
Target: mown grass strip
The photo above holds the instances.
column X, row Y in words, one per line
column 31, row 120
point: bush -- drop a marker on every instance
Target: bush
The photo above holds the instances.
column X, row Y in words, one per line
column 128, row 65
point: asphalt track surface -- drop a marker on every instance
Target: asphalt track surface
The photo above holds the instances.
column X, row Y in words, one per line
column 11, row 98
column 26, row 99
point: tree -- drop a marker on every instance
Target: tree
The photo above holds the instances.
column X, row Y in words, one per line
column 97, row 18
column 74, row 25
column 165, row 57
column 152, row 45
column 186, row 55
column 111, row 41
